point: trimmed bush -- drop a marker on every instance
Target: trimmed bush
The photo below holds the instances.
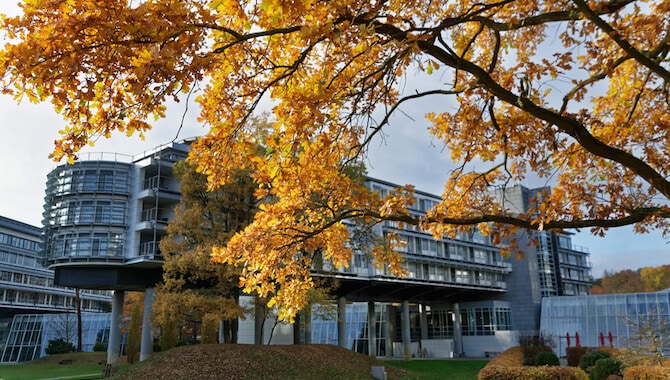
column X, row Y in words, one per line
column 509, row 366
column 59, row 346
column 589, row 359
column 575, row 353
column 603, row 368
column 532, row 345
column 646, row 373
column 531, row 373
column 546, row 358
column 98, row 346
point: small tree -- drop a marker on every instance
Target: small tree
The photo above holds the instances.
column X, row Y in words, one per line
column 169, row 334
column 650, row 335
column 209, row 329
column 59, row 346
column 134, row 335
column 532, row 344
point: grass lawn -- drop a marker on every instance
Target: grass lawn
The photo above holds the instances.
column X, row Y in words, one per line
column 84, row 366
column 426, row 369
column 245, row 362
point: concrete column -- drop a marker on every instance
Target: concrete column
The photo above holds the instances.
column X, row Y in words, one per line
column 308, row 324
column 114, row 348
column 423, row 321
column 372, row 329
column 390, row 330
column 221, row 338
column 147, row 345
column 406, row 338
column 458, row 332
column 342, row 322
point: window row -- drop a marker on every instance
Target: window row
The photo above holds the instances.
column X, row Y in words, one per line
column 49, row 300
column 88, row 244
column 92, row 180
column 24, row 278
column 19, row 259
column 18, row 242
column 90, row 211
column 485, row 320
column 429, row 247
column 443, row 273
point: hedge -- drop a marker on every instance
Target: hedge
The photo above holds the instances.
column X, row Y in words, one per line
column 641, row 372
column 509, row 366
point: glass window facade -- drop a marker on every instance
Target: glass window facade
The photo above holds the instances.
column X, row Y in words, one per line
column 29, row 334
column 609, row 314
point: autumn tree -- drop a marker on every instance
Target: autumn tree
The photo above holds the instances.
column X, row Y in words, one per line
column 574, row 93
column 625, row 281
column 647, row 279
column 656, row 278
column 134, row 335
column 194, row 289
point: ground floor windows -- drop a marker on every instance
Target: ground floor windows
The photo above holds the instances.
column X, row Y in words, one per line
column 485, row 320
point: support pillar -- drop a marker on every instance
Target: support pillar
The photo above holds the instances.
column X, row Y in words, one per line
column 372, row 329
column 423, row 321
column 406, row 338
column 147, row 344
column 222, row 339
column 458, row 332
column 390, row 330
column 114, row 347
column 308, row 324
column 342, row 322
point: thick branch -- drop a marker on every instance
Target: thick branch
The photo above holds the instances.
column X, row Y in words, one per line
column 635, row 216
column 623, row 44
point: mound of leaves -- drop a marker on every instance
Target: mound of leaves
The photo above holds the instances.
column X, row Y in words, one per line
column 228, row 361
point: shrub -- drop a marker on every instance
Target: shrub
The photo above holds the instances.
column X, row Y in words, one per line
column 531, row 373
column 546, row 358
column 98, row 346
column 603, row 368
column 59, row 346
column 532, row 345
column 575, row 353
column 509, row 366
column 646, row 373
column 589, row 359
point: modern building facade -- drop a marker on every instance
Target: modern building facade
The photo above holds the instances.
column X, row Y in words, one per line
column 607, row 319
column 29, row 334
column 105, row 215
column 27, row 286
column 554, row 267
column 103, row 218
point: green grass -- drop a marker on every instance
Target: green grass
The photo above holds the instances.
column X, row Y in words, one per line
column 167, row 365
column 440, row 369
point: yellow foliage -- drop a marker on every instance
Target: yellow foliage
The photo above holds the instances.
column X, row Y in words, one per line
column 331, row 69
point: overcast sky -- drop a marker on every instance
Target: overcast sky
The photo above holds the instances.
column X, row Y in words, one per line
column 407, row 155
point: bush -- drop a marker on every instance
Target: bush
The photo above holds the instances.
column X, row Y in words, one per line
column 646, row 373
column 532, row 345
column 509, row 366
column 531, row 373
column 603, row 368
column 59, row 346
column 546, row 358
column 98, row 346
column 575, row 353
column 589, row 359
